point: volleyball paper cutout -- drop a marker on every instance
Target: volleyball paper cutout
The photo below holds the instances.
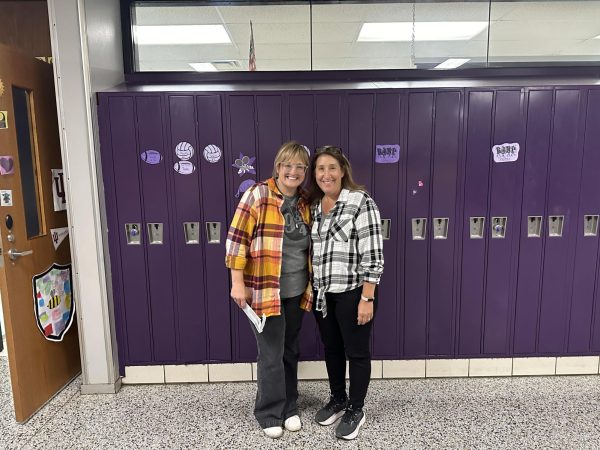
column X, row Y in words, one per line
column 184, row 150
column 212, row 153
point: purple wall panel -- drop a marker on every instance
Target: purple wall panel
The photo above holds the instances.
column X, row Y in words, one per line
column 270, row 132
column 585, row 273
column 213, row 202
column 329, row 120
column 539, row 122
column 443, row 205
column 360, row 138
column 388, row 126
column 420, row 121
column 155, row 195
column 505, row 200
column 479, row 122
column 563, row 191
column 129, row 210
column 242, row 136
column 189, row 259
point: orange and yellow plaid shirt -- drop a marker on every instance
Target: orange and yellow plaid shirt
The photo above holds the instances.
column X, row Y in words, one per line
column 255, row 242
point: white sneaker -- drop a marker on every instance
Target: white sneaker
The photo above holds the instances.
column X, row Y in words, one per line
column 293, row 423
column 273, row 432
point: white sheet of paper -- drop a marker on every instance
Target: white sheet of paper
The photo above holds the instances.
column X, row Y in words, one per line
column 256, row 321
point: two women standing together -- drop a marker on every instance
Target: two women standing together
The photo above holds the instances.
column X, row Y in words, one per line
column 292, row 251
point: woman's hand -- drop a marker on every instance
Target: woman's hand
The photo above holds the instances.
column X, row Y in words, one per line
column 365, row 312
column 240, row 294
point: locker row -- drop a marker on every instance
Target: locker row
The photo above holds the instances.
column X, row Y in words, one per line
column 440, row 226
column 487, row 197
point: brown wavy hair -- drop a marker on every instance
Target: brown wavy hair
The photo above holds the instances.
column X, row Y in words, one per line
column 315, row 193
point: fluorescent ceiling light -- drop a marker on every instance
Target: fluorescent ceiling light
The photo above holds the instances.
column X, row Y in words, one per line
column 424, row 31
column 180, row 34
column 452, row 63
column 597, row 37
column 203, row 67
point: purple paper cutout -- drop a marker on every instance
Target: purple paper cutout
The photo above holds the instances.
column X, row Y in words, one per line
column 387, row 154
column 244, row 185
column 7, row 165
column 151, row 157
column 244, row 164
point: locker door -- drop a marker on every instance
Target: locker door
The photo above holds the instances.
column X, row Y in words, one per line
column 242, row 138
column 329, row 120
column 420, row 123
column 388, row 192
column 156, row 222
column 213, row 203
column 270, row 132
column 443, row 223
column 302, row 120
column 360, row 138
column 302, row 129
column 189, row 259
column 539, row 124
column 563, row 193
column 477, row 162
column 134, row 310
column 505, row 201
column 586, row 273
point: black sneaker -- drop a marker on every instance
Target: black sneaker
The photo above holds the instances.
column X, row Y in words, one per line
column 350, row 424
column 331, row 412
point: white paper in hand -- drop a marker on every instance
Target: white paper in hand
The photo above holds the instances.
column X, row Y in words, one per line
column 258, row 323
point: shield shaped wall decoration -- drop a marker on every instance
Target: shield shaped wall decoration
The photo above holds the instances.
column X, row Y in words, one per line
column 54, row 305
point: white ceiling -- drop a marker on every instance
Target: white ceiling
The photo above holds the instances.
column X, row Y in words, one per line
column 520, row 31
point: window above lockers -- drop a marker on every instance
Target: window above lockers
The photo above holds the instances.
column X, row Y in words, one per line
column 238, row 36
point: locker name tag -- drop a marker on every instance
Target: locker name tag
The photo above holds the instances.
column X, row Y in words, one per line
column 506, row 152
column 387, row 154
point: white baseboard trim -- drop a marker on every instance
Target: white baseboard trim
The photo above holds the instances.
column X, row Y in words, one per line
column 108, row 388
column 380, row 369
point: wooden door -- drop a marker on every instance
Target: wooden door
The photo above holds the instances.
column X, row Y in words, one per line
column 29, row 134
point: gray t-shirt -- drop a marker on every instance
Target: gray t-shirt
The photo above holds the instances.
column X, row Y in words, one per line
column 296, row 240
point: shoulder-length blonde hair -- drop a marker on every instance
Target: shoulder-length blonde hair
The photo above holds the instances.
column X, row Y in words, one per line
column 288, row 152
column 315, row 192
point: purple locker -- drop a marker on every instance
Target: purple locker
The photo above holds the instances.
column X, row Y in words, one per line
column 477, row 160
column 539, row 127
column 302, row 120
column 189, row 259
column 242, row 139
column 329, row 109
column 156, row 204
column 585, row 273
column 302, row 129
column 389, row 131
column 135, row 307
column 420, row 124
column 444, row 180
column 505, row 200
column 270, row 132
column 110, row 199
column 360, row 138
column 563, row 193
column 213, row 202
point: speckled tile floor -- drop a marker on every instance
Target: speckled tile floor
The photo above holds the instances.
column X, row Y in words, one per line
column 492, row 413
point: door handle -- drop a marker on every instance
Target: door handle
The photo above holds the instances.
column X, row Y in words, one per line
column 13, row 254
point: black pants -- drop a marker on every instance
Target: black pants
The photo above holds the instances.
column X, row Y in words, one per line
column 343, row 337
column 277, row 365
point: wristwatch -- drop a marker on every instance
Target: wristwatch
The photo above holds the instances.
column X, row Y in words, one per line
column 367, row 299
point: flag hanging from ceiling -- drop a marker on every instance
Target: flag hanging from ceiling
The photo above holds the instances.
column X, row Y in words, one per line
column 252, row 56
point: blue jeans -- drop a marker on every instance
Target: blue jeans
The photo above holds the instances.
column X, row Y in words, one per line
column 277, row 365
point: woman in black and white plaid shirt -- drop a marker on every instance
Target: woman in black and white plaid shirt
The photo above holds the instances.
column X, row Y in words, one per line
column 347, row 259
